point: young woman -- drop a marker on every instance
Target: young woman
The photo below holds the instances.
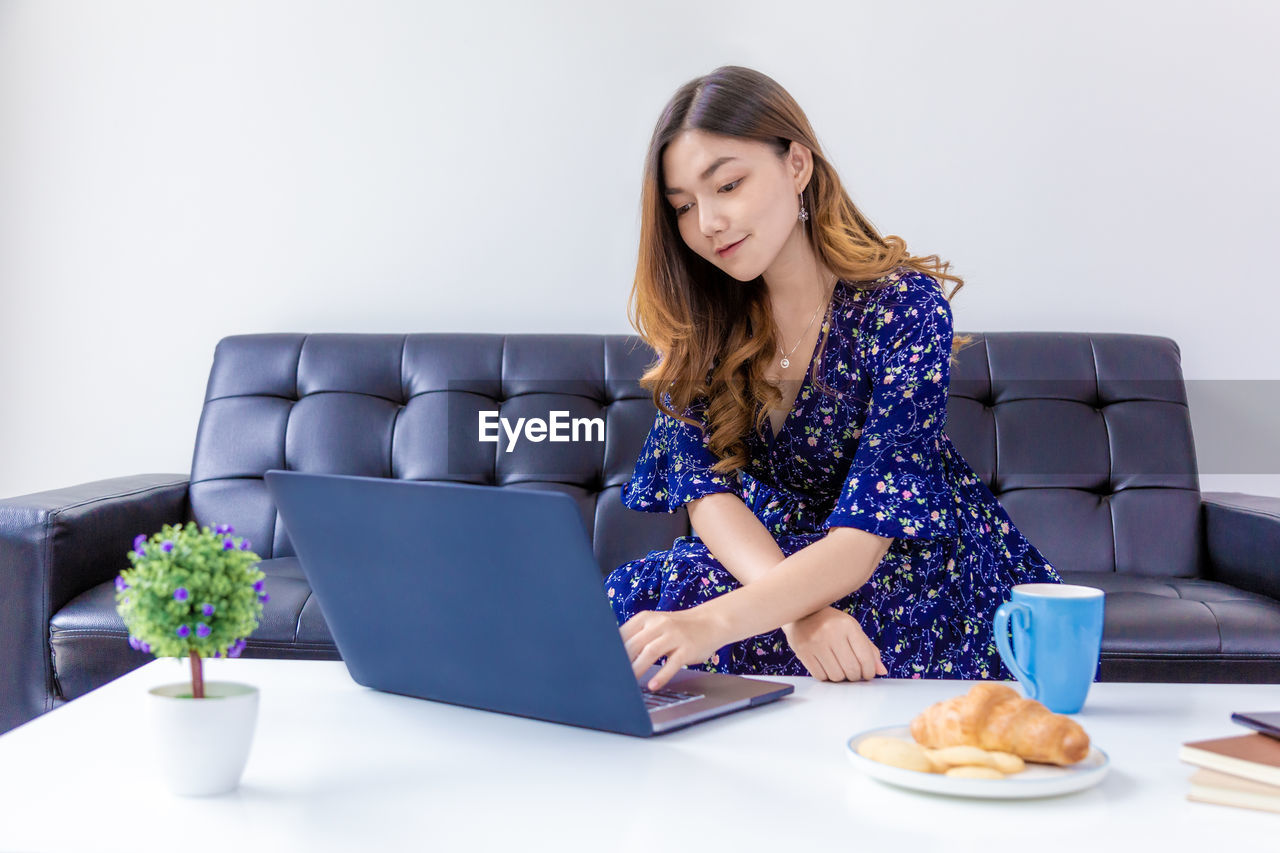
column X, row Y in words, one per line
column 801, row 386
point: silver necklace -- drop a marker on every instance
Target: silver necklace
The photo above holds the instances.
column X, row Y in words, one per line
column 786, row 356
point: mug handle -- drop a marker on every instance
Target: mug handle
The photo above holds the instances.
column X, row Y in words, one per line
column 1000, row 624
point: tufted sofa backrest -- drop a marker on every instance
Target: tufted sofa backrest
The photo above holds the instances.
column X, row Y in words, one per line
column 1085, row 438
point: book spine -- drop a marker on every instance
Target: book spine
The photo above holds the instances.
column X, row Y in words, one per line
column 1235, row 766
column 1239, row 799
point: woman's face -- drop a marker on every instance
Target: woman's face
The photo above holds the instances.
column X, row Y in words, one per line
column 727, row 190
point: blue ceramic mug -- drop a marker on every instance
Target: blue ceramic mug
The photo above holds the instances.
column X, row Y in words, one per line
column 1057, row 641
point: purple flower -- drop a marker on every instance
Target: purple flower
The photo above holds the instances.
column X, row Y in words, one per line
column 146, row 648
column 181, row 594
column 244, row 544
column 133, row 643
column 140, row 542
column 217, row 654
column 166, row 546
column 203, row 630
column 257, row 586
column 264, row 598
column 227, row 545
column 208, row 610
column 236, row 649
column 121, row 586
column 224, row 528
column 183, row 631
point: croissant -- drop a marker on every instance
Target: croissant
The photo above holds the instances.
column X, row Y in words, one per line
column 993, row 716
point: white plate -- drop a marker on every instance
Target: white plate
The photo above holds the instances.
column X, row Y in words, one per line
column 1038, row 780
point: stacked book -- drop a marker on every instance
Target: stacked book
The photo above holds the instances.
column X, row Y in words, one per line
column 1243, row 770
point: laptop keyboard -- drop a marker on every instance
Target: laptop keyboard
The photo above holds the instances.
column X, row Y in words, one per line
column 664, row 698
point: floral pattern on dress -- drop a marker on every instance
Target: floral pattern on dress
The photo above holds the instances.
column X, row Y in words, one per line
column 674, row 464
column 872, row 455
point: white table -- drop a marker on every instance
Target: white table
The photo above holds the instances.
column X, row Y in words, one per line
column 336, row 766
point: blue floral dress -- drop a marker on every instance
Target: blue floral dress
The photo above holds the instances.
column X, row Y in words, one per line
column 874, row 456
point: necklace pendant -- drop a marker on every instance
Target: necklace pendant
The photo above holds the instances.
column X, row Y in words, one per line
column 786, row 362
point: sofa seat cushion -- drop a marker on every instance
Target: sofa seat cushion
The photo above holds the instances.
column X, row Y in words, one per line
column 1184, row 629
column 1146, row 614
column 91, row 646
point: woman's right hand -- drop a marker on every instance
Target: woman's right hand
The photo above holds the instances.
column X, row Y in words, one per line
column 833, row 647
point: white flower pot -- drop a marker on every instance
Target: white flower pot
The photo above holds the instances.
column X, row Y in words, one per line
column 202, row 745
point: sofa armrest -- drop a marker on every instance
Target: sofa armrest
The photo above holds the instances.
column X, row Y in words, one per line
column 55, row 545
column 1242, row 536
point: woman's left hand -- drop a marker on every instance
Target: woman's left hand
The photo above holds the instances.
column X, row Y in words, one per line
column 684, row 636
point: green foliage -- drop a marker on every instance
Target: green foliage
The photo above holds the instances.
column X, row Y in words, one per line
column 191, row 590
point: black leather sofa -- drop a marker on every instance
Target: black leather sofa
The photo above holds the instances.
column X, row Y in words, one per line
column 1085, row 438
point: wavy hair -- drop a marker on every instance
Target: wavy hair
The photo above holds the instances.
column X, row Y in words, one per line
column 700, row 320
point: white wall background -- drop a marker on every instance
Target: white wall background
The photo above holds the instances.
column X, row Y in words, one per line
column 173, row 172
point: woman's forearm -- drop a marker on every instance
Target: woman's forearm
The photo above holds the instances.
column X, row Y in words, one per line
column 734, row 536
column 809, row 579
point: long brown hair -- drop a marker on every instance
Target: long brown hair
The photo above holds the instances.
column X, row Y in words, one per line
column 702, row 322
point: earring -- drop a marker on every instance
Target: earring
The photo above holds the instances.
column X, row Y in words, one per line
column 804, row 214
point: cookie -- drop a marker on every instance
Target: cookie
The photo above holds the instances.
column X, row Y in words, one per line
column 897, row 753
column 953, row 756
column 1007, row 762
column 972, row 771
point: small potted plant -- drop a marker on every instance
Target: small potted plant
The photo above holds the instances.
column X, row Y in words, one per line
column 195, row 593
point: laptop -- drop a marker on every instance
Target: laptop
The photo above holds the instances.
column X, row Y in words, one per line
column 485, row 597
